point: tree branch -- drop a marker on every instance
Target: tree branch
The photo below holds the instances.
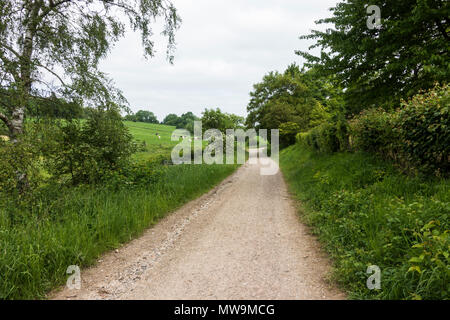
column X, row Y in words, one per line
column 5, row 119
column 442, row 29
column 53, row 73
column 8, row 68
column 53, row 5
column 9, row 48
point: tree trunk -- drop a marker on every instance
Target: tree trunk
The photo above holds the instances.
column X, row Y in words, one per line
column 18, row 114
column 26, row 69
column 16, row 123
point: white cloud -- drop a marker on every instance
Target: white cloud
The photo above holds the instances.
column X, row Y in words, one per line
column 223, row 48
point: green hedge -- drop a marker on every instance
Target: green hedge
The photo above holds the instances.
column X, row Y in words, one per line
column 416, row 135
column 288, row 132
column 326, row 138
column 366, row 213
column 372, row 131
column 423, row 125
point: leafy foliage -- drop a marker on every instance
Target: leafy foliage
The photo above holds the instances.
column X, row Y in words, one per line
column 367, row 213
column 416, row 135
column 294, row 96
column 17, row 159
column 54, row 48
column 89, row 151
column 381, row 66
column 322, row 138
column 185, row 121
column 372, row 131
column 288, row 132
column 423, row 123
column 216, row 119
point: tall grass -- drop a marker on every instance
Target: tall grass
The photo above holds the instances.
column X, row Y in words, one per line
column 37, row 247
column 366, row 213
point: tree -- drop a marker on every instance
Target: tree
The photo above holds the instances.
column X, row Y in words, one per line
column 130, row 117
column 236, row 121
column 187, row 118
column 54, row 47
column 216, row 119
column 186, row 121
column 288, row 132
column 171, row 120
column 55, row 108
column 293, row 96
column 146, row 116
column 379, row 66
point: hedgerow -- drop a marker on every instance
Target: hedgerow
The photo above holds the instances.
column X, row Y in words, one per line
column 415, row 136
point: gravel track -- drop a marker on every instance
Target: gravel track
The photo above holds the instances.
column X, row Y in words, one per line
column 242, row 240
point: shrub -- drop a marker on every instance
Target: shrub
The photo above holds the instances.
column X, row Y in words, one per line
column 300, row 137
column 107, row 134
column 371, row 131
column 288, row 132
column 311, row 139
column 323, row 138
column 327, row 138
column 416, row 136
column 19, row 166
column 423, row 125
column 342, row 134
column 86, row 152
column 137, row 174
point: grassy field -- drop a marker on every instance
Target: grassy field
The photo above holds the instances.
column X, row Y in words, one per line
column 366, row 213
column 74, row 226
column 147, row 132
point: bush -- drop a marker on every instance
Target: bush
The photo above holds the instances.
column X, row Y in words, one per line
column 310, row 139
column 288, row 132
column 327, row 138
column 342, row 134
column 20, row 166
column 371, row 131
column 367, row 213
column 137, row 174
column 86, row 152
column 323, row 138
column 423, row 125
column 416, row 136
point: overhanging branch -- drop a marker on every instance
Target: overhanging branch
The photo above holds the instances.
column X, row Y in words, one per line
column 5, row 119
column 53, row 73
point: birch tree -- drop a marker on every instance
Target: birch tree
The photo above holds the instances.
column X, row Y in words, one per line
column 53, row 47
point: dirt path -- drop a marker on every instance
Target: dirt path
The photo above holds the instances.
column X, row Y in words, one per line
column 242, row 240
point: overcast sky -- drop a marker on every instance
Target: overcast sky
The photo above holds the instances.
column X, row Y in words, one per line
column 223, row 48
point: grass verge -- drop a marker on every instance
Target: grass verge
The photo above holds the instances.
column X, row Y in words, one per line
column 366, row 213
column 83, row 223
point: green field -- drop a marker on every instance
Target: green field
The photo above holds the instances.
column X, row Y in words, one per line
column 146, row 132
